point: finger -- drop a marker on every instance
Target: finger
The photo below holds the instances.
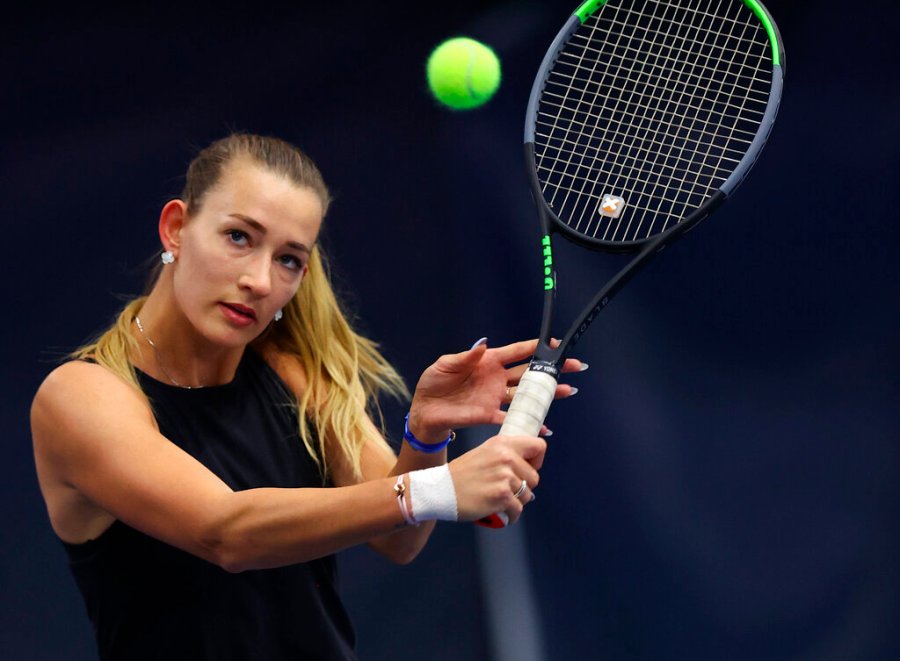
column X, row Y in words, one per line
column 527, row 497
column 514, row 374
column 518, row 488
column 514, row 511
column 530, row 449
column 564, row 390
column 517, row 456
column 524, row 493
column 535, row 459
column 574, row 365
column 524, row 470
column 515, row 352
column 464, row 360
column 521, row 496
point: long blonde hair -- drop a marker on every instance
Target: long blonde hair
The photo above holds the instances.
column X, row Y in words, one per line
column 345, row 373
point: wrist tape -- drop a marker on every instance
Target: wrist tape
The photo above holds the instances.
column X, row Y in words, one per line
column 432, row 495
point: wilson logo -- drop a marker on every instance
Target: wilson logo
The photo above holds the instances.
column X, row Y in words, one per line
column 549, row 280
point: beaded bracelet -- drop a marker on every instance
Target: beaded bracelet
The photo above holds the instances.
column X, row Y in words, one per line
column 416, row 444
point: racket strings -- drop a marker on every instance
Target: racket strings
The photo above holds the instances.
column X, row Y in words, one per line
column 677, row 51
column 688, row 117
column 729, row 55
column 660, row 94
column 629, row 100
column 610, row 137
column 655, row 103
column 639, row 150
column 591, row 118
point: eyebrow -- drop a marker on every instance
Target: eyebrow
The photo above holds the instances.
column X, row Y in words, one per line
column 259, row 227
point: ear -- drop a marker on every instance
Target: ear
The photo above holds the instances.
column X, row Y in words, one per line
column 171, row 222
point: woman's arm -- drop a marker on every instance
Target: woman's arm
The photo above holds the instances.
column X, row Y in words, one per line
column 94, row 436
column 100, row 457
column 458, row 390
column 377, row 461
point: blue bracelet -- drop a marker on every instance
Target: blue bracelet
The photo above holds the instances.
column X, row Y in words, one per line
column 416, row 444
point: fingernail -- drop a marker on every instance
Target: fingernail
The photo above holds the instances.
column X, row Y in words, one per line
column 533, row 497
column 574, row 391
column 547, row 433
column 479, row 342
column 583, row 367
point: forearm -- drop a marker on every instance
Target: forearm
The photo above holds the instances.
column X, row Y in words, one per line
column 268, row 527
column 404, row 544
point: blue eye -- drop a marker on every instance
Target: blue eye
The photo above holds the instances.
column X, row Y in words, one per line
column 291, row 262
column 237, row 236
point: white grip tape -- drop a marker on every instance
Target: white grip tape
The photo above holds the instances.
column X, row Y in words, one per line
column 530, row 404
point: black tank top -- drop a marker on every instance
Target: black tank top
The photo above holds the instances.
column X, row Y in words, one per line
column 149, row 600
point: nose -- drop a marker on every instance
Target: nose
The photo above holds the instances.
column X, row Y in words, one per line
column 257, row 276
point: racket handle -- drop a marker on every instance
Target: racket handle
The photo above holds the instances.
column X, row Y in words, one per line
column 525, row 417
column 499, row 520
column 530, row 404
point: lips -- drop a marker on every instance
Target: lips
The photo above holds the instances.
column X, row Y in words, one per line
column 241, row 309
column 239, row 314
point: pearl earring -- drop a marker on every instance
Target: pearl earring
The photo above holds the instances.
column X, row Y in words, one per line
column 279, row 315
column 167, row 257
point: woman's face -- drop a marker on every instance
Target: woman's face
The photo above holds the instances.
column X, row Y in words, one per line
column 242, row 256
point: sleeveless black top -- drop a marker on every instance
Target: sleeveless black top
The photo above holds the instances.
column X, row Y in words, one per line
column 149, row 600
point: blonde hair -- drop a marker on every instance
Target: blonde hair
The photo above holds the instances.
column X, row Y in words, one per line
column 345, row 372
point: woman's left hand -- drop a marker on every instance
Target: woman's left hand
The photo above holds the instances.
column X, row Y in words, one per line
column 468, row 388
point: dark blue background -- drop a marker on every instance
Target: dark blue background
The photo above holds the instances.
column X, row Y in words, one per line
column 726, row 483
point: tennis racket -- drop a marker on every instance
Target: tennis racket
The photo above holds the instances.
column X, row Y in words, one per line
column 644, row 118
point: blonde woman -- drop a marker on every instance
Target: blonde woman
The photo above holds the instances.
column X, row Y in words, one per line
column 206, row 456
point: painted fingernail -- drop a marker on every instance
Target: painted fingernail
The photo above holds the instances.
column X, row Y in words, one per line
column 479, row 342
column 583, row 367
column 574, row 391
column 547, row 433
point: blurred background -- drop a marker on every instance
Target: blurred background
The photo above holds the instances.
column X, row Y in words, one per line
column 724, row 486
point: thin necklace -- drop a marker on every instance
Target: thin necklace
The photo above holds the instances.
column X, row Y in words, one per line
column 140, row 326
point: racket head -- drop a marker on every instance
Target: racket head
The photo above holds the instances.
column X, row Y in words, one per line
column 645, row 114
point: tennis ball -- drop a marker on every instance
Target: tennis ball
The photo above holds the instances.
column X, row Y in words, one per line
column 463, row 73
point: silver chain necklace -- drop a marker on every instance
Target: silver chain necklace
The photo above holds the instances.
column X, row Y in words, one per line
column 140, row 326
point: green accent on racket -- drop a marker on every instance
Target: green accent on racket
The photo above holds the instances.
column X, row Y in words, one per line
column 588, row 8
column 547, row 251
column 766, row 20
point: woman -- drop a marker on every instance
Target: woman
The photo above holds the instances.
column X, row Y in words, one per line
column 207, row 455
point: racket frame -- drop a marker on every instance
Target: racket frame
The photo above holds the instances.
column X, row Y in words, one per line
column 547, row 358
column 536, row 388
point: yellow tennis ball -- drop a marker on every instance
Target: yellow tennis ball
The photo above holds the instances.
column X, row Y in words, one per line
column 463, row 73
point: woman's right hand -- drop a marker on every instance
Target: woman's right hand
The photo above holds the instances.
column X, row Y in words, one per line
column 487, row 477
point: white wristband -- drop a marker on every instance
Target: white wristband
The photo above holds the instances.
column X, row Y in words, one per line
column 432, row 495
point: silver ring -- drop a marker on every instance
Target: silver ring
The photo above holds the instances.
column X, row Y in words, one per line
column 521, row 489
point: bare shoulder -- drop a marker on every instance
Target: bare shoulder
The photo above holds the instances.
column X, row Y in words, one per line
column 73, row 413
column 79, row 386
column 77, row 397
